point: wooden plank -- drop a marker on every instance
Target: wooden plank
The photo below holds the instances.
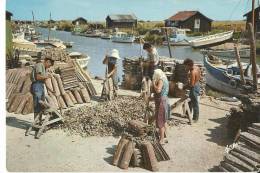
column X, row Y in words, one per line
column 248, row 153
column 238, row 163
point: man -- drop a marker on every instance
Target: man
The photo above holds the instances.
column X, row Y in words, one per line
column 111, row 62
column 153, row 57
column 38, row 76
column 193, row 85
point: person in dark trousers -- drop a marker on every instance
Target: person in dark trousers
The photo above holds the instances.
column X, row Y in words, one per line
column 194, row 86
column 153, row 57
column 38, row 76
column 111, row 62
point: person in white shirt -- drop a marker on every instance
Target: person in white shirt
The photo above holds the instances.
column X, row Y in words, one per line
column 153, row 58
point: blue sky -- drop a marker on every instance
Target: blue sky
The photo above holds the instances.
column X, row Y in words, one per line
column 97, row 10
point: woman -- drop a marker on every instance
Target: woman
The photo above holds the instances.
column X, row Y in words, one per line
column 161, row 88
column 111, row 62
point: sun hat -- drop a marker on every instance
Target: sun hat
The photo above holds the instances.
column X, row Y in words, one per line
column 115, row 53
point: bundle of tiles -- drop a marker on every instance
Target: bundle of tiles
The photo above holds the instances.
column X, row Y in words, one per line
column 244, row 156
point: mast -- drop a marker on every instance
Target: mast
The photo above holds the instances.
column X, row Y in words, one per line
column 253, row 15
column 49, row 28
column 253, row 45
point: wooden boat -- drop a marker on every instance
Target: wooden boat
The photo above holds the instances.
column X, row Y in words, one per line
column 224, row 76
column 123, row 37
column 227, row 50
column 211, row 39
column 80, row 58
column 230, row 53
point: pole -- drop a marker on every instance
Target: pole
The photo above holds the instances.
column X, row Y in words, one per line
column 239, row 64
column 253, row 15
column 49, row 28
column 168, row 43
column 253, row 53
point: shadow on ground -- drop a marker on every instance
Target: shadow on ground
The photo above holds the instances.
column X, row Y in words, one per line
column 218, row 135
column 110, row 150
column 17, row 123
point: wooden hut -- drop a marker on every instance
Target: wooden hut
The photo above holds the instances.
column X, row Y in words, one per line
column 257, row 18
column 121, row 21
column 193, row 20
column 79, row 21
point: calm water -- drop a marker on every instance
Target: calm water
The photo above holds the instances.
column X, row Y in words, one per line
column 96, row 48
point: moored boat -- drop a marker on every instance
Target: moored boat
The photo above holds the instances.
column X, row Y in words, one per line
column 123, row 37
column 227, row 50
column 225, row 76
column 230, row 53
column 80, row 58
column 211, row 39
column 106, row 36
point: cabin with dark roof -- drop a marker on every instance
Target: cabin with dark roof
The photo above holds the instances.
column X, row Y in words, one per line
column 193, row 20
column 79, row 21
column 121, row 21
column 257, row 18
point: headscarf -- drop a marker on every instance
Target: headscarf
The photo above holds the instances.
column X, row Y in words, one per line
column 158, row 75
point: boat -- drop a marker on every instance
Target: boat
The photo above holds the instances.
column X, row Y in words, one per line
column 177, row 37
column 51, row 42
column 211, row 39
column 106, row 36
column 24, row 46
column 95, row 33
column 68, row 44
column 81, row 59
column 224, row 76
column 123, row 37
column 227, row 50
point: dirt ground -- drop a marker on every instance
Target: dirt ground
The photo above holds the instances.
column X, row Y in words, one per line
column 197, row 147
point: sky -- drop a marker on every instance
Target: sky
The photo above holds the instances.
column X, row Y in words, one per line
column 153, row 10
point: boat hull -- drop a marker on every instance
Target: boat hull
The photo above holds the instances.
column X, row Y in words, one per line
column 120, row 40
column 180, row 43
column 216, row 79
column 83, row 62
column 211, row 40
column 244, row 53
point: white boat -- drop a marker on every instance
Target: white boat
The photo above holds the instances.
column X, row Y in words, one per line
column 123, row 37
column 225, row 77
column 95, row 33
column 211, row 39
column 68, row 44
column 80, row 58
column 178, row 37
column 106, row 36
column 51, row 42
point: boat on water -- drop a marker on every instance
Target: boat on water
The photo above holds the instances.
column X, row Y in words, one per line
column 227, row 50
column 178, row 37
column 211, row 39
column 82, row 59
column 106, row 36
column 95, row 33
column 51, row 42
column 123, row 37
column 224, row 76
column 25, row 47
column 68, row 44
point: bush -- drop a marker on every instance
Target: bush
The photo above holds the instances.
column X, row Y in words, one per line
column 153, row 39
